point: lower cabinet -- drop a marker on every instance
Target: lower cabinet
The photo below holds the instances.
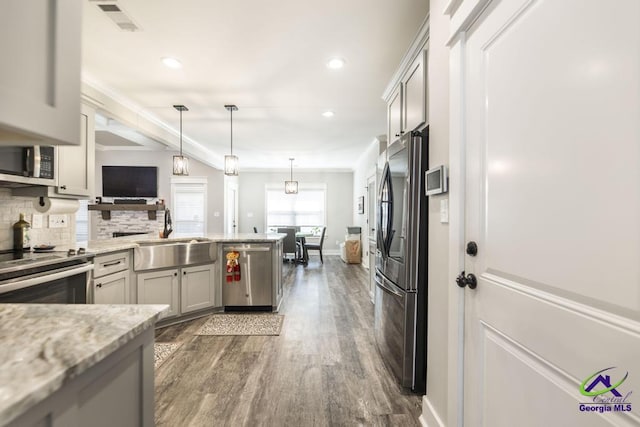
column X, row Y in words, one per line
column 112, row 289
column 160, row 287
column 197, row 288
column 184, row 289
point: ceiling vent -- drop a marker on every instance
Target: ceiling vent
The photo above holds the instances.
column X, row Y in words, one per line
column 118, row 16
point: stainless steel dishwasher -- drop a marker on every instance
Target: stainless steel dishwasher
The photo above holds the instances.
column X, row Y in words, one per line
column 248, row 285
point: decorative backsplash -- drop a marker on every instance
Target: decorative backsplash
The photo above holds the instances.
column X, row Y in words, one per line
column 126, row 221
column 10, row 209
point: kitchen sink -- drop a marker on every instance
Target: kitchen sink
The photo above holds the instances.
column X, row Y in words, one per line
column 151, row 256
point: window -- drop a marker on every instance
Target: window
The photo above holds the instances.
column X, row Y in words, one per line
column 305, row 209
column 189, row 201
column 82, row 222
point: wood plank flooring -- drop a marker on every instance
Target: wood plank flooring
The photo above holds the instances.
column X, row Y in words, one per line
column 323, row 369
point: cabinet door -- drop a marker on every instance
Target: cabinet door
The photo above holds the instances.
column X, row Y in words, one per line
column 76, row 164
column 197, row 288
column 160, row 287
column 112, row 289
column 394, row 115
column 40, row 76
column 414, row 98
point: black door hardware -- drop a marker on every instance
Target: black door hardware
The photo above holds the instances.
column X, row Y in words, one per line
column 472, row 248
column 468, row 280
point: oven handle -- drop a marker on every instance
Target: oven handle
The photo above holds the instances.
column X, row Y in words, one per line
column 48, row 276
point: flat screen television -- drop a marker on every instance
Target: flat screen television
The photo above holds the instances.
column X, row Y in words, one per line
column 129, row 181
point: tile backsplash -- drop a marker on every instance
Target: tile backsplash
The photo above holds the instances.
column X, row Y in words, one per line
column 10, row 209
column 126, row 221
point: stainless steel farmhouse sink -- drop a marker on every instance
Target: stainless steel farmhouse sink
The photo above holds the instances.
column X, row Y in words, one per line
column 151, row 256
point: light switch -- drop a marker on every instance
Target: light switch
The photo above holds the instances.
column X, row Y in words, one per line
column 36, row 221
column 444, row 211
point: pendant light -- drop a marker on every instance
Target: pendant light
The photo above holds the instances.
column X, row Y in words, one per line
column 180, row 163
column 291, row 186
column 231, row 161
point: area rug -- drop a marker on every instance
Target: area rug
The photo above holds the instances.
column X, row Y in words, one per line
column 243, row 324
column 162, row 351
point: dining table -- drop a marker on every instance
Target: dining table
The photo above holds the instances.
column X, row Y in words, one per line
column 301, row 237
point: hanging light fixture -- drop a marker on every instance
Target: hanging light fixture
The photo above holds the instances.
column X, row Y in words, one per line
column 180, row 163
column 231, row 161
column 291, row 186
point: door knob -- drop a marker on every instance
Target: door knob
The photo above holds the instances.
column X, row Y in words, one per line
column 472, row 248
column 468, row 280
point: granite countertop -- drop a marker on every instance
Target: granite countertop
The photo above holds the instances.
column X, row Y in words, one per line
column 128, row 242
column 45, row 345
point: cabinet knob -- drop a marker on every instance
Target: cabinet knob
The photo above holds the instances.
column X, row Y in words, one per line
column 63, row 187
column 397, row 134
column 99, row 285
column 175, row 274
column 184, row 273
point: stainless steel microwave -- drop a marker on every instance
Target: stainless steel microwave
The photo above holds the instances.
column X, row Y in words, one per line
column 33, row 165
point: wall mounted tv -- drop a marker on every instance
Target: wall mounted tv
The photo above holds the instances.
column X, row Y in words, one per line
column 129, row 181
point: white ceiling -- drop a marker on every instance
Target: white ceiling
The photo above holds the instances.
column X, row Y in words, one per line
column 268, row 58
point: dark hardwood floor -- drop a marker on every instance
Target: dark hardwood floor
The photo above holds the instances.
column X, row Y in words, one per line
column 323, row 369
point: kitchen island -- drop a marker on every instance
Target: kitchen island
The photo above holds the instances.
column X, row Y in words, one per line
column 75, row 365
column 190, row 274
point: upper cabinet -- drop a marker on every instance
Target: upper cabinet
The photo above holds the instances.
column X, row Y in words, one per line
column 394, row 114
column 40, row 76
column 414, row 100
column 407, row 103
column 76, row 165
column 406, row 93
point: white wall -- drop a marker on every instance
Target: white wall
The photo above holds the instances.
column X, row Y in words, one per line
column 434, row 409
column 340, row 200
column 164, row 161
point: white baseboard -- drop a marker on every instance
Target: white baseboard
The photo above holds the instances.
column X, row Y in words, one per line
column 429, row 416
column 329, row 252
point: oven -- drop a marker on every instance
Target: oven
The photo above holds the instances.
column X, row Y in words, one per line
column 64, row 282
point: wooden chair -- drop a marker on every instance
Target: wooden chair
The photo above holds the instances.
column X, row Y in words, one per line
column 317, row 246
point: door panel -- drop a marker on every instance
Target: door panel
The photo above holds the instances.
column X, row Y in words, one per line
column 553, row 201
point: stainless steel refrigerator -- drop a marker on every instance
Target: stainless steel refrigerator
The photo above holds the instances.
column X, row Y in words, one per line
column 401, row 260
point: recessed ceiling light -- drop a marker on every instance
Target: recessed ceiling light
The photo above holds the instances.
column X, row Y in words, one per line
column 328, row 114
column 171, row 62
column 335, row 63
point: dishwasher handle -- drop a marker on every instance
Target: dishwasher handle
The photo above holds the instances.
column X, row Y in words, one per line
column 244, row 249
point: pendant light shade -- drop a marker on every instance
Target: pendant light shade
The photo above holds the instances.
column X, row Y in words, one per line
column 291, row 186
column 231, row 161
column 180, row 163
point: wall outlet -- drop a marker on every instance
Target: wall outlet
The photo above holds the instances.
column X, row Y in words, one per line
column 58, row 221
column 36, row 221
column 216, row 214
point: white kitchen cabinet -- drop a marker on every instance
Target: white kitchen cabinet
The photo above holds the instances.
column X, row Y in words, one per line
column 394, row 115
column 407, row 101
column 414, row 96
column 40, row 76
column 112, row 289
column 197, row 288
column 160, row 287
column 76, row 165
column 111, row 278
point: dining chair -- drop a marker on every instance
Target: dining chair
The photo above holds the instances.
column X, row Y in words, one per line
column 288, row 243
column 317, row 246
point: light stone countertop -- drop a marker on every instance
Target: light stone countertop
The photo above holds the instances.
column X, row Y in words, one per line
column 45, row 345
column 99, row 247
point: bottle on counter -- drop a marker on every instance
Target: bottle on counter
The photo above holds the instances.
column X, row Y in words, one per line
column 21, row 240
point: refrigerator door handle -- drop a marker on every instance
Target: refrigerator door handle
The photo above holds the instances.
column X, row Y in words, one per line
column 381, row 282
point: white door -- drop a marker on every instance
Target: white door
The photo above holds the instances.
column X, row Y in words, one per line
column 551, row 117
